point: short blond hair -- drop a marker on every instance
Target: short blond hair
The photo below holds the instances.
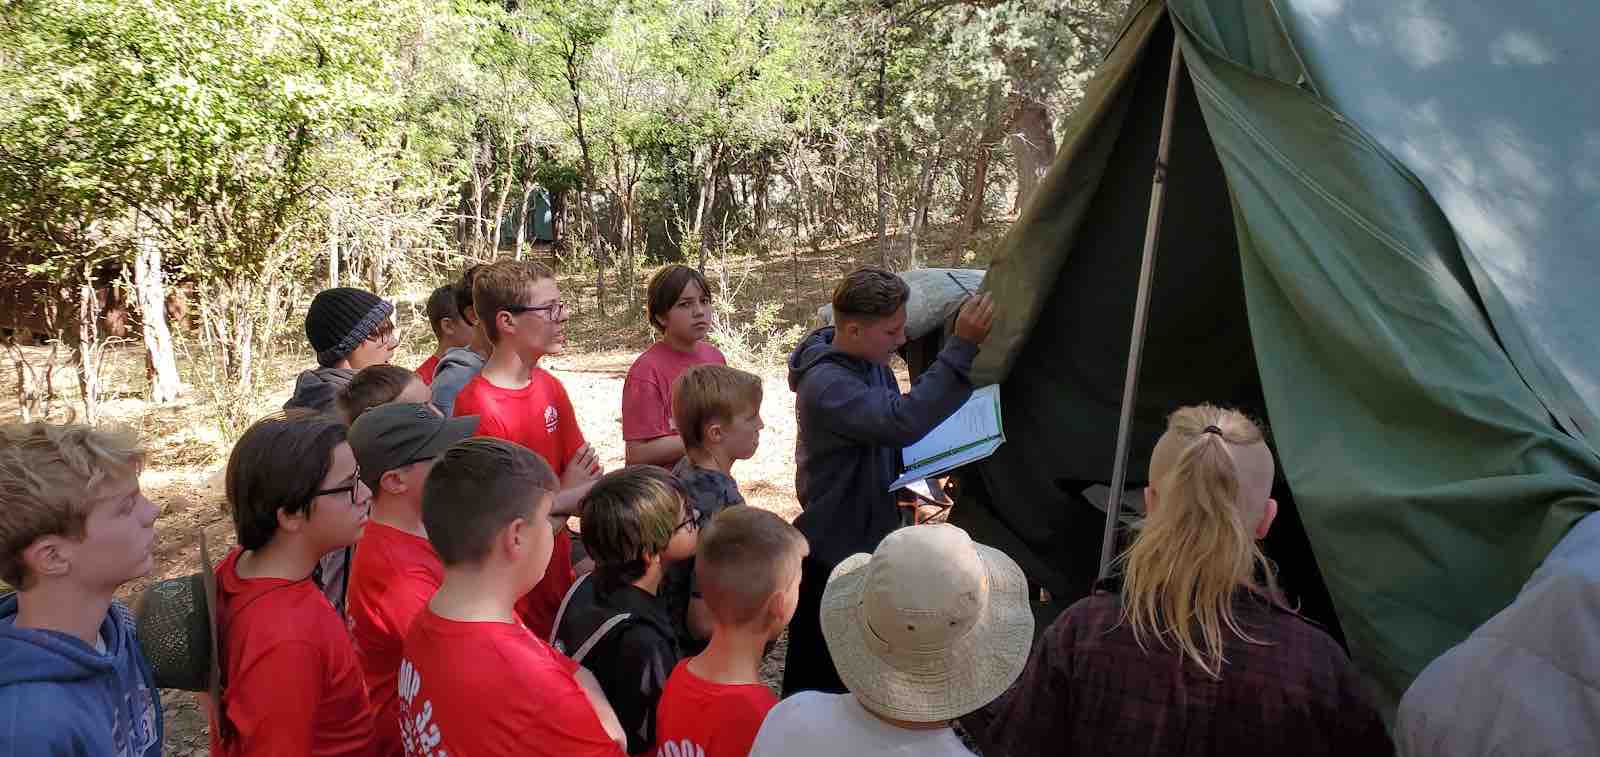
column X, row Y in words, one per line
column 50, row 476
column 711, row 392
column 502, row 284
column 744, row 557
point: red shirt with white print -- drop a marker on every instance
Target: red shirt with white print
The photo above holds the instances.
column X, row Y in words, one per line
column 647, row 393
column 484, row 688
column 700, row 718
column 392, row 577
column 538, row 416
column 291, row 683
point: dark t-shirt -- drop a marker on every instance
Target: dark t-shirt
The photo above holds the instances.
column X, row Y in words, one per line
column 632, row 661
column 710, row 492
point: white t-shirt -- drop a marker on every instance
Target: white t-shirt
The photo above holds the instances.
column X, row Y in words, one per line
column 809, row 724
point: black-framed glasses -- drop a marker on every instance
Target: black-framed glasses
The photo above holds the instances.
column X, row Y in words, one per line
column 553, row 312
column 355, row 481
column 694, row 522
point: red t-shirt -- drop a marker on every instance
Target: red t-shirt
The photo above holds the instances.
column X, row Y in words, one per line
column 706, row 719
column 392, row 577
column 538, row 416
column 647, row 394
column 291, row 683
column 425, row 371
column 470, row 689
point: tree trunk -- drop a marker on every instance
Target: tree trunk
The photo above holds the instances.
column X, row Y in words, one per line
column 881, row 141
column 163, row 367
column 980, row 167
column 333, row 247
column 763, row 180
column 919, row 212
column 87, row 346
column 708, row 191
column 1033, row 142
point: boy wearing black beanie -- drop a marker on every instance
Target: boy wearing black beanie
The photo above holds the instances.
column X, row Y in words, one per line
column 349, row 329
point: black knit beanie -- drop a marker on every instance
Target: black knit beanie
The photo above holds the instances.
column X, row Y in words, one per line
column 340, row 319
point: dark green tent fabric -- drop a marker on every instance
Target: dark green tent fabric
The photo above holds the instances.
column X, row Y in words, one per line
column 1429, row 476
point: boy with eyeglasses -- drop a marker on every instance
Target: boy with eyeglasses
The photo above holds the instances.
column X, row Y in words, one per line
column 521, row 312
column 349, row 329
column 291, row 683
column 395, row 571
column 637, row 522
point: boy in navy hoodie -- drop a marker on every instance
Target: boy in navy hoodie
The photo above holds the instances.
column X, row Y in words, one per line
column 73, row 680
column 853, row 421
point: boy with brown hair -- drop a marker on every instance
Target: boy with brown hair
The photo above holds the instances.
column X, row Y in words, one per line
column 74, row 527
column 449, row 329
column 718, row 411
column 679, row 305
column 378, row 385
column 853, row 422
column 636, row 523
column 522, row 314
column 473, row 679
column 748, row 564
column 459, row 364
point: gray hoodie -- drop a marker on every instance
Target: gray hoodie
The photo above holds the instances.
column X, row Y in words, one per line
column 456, row 368
column 853, row 422
column 316, row 389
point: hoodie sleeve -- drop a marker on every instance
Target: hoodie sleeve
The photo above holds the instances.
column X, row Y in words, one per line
column 448, row 380
column 852, row 408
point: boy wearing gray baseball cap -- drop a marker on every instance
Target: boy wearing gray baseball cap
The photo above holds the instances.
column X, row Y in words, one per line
column 395, row 570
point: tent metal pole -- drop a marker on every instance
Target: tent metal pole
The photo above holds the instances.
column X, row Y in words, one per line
column 1141, row 312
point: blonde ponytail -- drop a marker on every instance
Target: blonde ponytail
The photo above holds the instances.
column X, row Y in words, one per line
column 1197, row 549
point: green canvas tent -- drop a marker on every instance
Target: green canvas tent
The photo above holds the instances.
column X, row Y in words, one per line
column 1380, row 236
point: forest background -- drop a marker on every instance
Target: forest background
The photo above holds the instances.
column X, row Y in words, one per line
column 178, row 177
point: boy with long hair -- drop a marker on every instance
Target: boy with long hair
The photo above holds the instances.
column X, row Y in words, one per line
column 291, row 682
column 1198, row 619
column 679, row 306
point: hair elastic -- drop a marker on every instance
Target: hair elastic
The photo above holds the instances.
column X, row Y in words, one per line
column 1212, row 430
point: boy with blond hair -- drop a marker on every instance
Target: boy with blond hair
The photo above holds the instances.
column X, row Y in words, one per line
column 637, row 522
column 521, row 313
column 74, row 528
column 748, row 564
column 473, row 680
column 718, row 412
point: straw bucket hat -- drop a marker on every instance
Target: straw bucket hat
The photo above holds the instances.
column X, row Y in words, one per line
column 929, row 627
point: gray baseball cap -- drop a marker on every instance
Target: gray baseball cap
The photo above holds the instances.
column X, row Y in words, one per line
column 399, row 434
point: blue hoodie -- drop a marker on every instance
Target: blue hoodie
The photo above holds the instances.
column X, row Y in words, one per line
column 853, row 421
column 59, row 697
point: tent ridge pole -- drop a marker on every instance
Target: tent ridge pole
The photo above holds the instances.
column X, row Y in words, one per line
column 1141, row 311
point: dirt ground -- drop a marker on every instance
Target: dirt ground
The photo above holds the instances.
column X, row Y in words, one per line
column 187, row 454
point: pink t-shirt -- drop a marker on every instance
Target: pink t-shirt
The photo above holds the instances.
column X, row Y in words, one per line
column 647, row 394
